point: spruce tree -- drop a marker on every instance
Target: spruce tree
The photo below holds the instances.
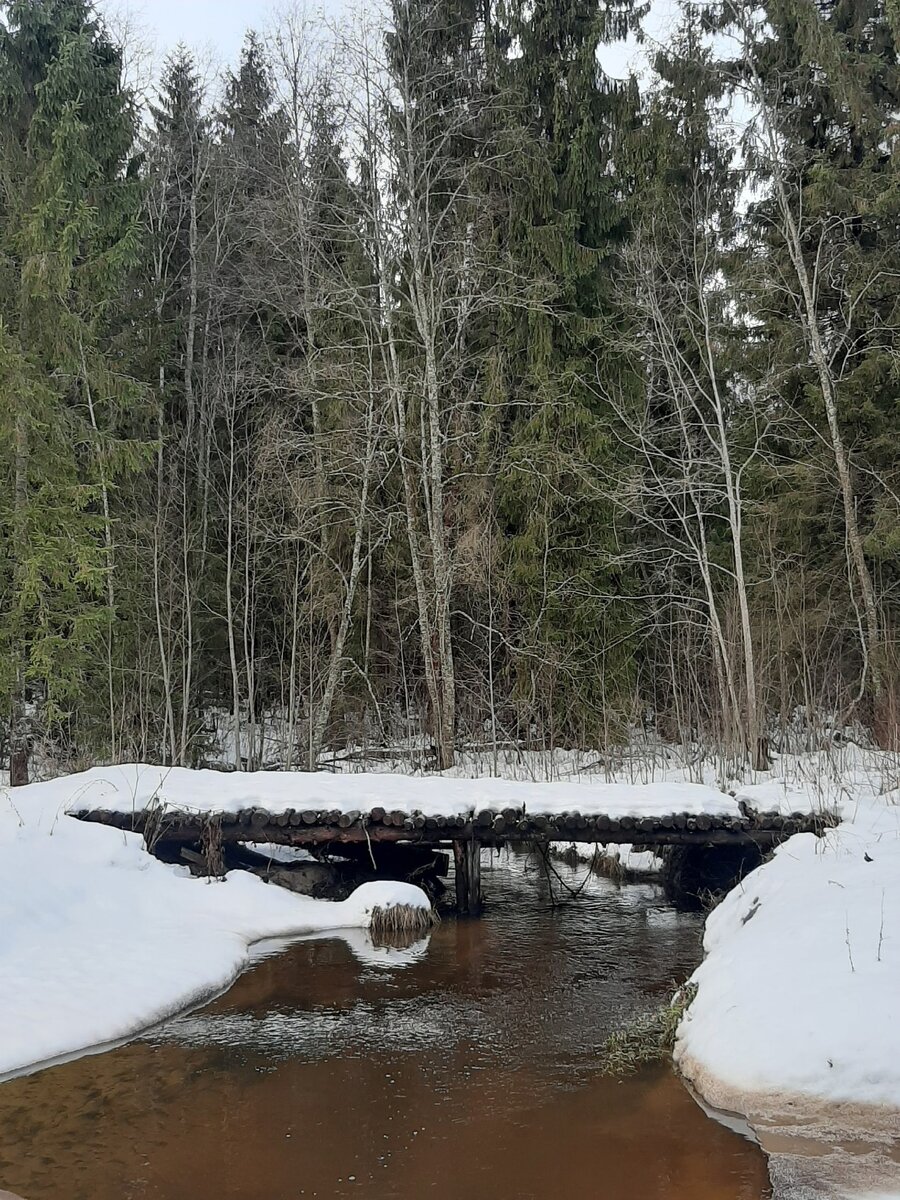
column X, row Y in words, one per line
column 824, row 83
column 68, row 236
column 567, row 222
column 178, row 162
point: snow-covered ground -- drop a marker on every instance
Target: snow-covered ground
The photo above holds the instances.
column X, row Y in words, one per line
column 795, row 1019
column 795, row 1022
column 99, row 939
column 799, row 994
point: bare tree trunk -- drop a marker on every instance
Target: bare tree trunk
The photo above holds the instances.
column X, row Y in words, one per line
column 229, row 597
column 809, row 316
column 18, row 733
column 755, row 742
column 169, row 721
column 108, row 546
column 336, row 658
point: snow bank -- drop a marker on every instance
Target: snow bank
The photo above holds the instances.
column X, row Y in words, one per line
column 98, row 939
column 135, row 786
column 799, row 994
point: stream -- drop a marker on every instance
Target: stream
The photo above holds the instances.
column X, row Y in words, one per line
column 466, row 1066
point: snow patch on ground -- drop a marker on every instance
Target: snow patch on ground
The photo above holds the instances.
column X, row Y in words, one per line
column 98, row 939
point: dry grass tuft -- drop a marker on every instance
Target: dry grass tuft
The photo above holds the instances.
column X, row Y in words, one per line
column 399, row 920
column 649, row 1038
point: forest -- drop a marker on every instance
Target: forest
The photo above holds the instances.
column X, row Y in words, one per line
column 416, row 383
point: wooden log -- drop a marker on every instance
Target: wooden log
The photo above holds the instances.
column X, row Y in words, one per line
column 348, row 818
column 376, row 815
column 308, row 817
column 196, row 861
column 175, row 828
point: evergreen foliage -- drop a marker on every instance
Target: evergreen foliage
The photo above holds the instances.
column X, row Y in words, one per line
column 444, row 388
column 68, row 406
column 568, row 222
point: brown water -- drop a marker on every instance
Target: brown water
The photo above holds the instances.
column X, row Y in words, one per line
column 460, row 1070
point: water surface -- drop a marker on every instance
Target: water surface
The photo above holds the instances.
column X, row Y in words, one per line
column 463, row 1069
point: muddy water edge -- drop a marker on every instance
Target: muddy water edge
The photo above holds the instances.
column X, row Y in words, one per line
column 463, row 1069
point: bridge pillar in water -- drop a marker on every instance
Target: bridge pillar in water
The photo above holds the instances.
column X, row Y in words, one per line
column 467, row 861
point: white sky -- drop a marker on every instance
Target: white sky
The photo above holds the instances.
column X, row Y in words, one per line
column 216, row 28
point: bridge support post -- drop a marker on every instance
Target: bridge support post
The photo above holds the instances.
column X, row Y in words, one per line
column 467, row 860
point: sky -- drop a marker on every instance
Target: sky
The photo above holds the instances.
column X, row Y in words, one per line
column 215, row 28
column 218, row 24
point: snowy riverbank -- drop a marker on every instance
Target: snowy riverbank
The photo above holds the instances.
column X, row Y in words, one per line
column 98, row 939
column 795, row 1018
column 794, row 1015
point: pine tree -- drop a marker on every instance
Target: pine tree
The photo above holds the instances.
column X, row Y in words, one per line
column 68, row 235
column 250, row 335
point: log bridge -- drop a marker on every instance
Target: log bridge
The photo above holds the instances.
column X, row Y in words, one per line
column 465, row 833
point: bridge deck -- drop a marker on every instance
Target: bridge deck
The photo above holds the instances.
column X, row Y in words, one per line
column 466, row 832
column 491, row 827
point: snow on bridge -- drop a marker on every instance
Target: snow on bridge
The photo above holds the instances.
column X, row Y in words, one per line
column 317, row 809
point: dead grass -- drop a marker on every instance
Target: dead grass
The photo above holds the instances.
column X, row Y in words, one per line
column 649, row 1037
column 401, row 920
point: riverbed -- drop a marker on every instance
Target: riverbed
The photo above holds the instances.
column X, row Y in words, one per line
column 463, row 1067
